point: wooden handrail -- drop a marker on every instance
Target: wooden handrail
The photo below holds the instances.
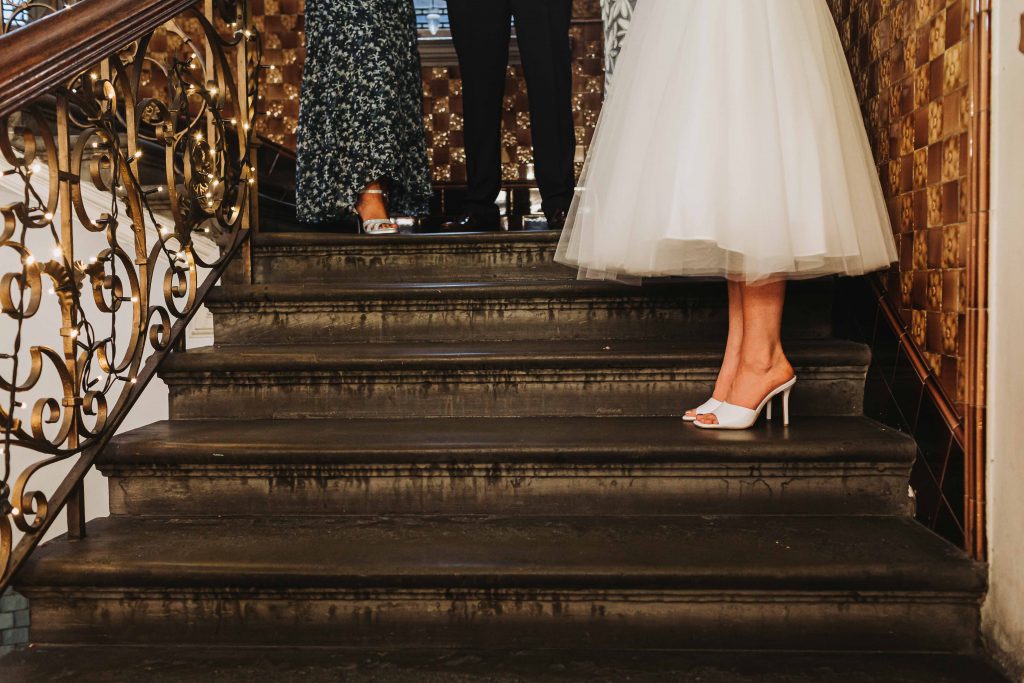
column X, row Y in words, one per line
column 49, row 51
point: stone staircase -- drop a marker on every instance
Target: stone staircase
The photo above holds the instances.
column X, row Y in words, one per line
column 443, row 458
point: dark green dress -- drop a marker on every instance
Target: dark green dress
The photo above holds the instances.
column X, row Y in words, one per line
column 361, row 109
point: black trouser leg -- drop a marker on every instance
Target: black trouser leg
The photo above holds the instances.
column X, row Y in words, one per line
column 481, row 30
column 542, row 27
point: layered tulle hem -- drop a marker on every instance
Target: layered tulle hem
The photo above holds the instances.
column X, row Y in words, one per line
column 706, row 259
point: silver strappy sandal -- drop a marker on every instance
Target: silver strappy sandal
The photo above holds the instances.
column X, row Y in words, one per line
column 377, row 226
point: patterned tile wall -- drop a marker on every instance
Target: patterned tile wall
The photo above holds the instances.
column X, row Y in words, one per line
column 910, row 64
column 281, row 23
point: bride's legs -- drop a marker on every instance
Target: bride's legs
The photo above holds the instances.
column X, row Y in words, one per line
column 762, row 364
column 733, row 345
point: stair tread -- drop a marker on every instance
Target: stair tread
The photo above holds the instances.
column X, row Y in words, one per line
column 559, row 353
column 328, row 239
column 244, row 664
column 781, row 553
column 468, row 440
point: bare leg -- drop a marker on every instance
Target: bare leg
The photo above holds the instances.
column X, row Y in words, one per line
column 372, row 206
column 733, row 345
column 763, row 364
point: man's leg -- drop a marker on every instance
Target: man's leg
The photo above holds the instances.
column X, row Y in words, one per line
column 542, row 27
column 481, row 30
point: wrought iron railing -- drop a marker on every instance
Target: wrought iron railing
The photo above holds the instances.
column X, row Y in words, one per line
column 150, row 106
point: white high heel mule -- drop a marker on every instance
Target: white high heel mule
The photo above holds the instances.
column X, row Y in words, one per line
column 737, row 417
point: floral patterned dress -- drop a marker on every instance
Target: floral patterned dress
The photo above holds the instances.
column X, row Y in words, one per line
column 617, row 15
column 361, row 109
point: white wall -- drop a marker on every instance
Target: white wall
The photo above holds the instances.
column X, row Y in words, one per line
column 1003, row 613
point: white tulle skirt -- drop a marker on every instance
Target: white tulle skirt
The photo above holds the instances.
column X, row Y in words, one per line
column 731, row 144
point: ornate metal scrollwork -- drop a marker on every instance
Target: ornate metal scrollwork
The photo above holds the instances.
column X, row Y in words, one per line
column 123, row 279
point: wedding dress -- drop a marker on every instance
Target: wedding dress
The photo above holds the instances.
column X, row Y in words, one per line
column 732, row 144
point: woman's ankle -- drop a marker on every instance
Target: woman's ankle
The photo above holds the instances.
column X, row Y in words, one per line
column 371, row 206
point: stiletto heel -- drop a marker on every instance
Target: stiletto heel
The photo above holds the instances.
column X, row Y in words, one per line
column 731, row 416
column 707, row 407
column 377, row 226
column 768, row 412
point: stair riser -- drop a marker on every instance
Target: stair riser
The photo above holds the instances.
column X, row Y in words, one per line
column 503, row 489
column 414, row 263
column 465, row 321
column 589, row 392
column 487, row 320
column 506, row 619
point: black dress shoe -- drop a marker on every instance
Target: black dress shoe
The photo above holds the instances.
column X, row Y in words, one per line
column 556, row 221
column 471, row 221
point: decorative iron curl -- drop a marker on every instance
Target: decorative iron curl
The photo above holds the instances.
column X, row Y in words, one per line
column 124, row 307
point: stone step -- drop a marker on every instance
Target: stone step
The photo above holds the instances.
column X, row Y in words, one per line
column 167, row 664
column 767, row 582
column 492, row 311
column 492, row 379
column 326, row 257
column 515, row 466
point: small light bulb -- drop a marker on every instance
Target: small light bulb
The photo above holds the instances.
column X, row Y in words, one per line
column 94, row 77
column 15, row 511
column 74, row 333
column 213, row 91
column 29, row 260
column 135, row 299
column 199, row 136
column 159, row 188
column 48, row 216
column 138, row 154
column 95, row 145
column 165, row 231
column 245, row 126
column 57, row 252
column 52, row 291
column 134, row 380
column 92, row 259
